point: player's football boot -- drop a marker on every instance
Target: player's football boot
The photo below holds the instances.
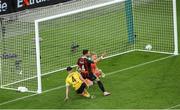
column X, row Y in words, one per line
column 107, row 93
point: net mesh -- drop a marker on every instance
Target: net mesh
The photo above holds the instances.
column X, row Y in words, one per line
column 18, row 61
column 100, row 30
column 153, row 24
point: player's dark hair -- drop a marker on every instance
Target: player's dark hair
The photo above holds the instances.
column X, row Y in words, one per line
column 69, row 68
column 85, row 51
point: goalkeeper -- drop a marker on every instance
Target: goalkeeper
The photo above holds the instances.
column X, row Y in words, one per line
column 78, row 83
column 95, row 70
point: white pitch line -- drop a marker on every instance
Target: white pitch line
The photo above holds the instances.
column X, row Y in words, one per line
column 142, row 64
column 111, row 73
column 174, row 107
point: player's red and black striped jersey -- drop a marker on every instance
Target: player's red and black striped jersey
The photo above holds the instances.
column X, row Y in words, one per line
column 84, row 64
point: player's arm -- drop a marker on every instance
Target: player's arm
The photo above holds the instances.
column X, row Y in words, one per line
column 67, row 93
column 100, row 58
column 67, row 89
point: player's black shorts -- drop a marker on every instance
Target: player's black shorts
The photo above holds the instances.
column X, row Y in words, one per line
column 84, row 75
column 81, row 89
column 89, row 76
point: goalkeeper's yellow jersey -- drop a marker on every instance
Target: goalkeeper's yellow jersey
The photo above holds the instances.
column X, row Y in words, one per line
column 73, row 79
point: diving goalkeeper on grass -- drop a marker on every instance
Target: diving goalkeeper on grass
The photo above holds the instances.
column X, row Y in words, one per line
column 78, row 83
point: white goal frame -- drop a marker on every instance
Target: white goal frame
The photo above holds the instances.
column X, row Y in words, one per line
column 86, row 9
column 54, row 17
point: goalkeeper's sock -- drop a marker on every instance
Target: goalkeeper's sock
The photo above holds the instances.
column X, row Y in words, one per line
column 101, row 86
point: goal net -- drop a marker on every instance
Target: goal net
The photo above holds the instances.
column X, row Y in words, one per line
column 17, row 55
column 49, row 39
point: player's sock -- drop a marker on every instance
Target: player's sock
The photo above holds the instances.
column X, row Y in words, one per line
column 101, row 86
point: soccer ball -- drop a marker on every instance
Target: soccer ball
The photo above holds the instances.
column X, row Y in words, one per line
column 148, row 47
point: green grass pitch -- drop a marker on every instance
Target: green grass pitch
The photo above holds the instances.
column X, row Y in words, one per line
column 149, row 86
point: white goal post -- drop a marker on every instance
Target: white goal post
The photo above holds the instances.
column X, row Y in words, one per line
column 175, row 28
column 113, row 26
column 38, row 58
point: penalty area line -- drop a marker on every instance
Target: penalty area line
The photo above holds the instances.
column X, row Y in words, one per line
column 108, row 74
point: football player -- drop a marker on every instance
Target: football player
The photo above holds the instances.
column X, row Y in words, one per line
column 97, row 72
column 75, row 80
column 84, row 67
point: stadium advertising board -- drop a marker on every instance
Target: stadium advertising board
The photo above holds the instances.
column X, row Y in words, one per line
column 6, row 6
column 9, row 6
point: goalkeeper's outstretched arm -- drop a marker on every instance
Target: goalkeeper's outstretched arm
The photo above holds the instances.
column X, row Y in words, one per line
column 97, row 59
